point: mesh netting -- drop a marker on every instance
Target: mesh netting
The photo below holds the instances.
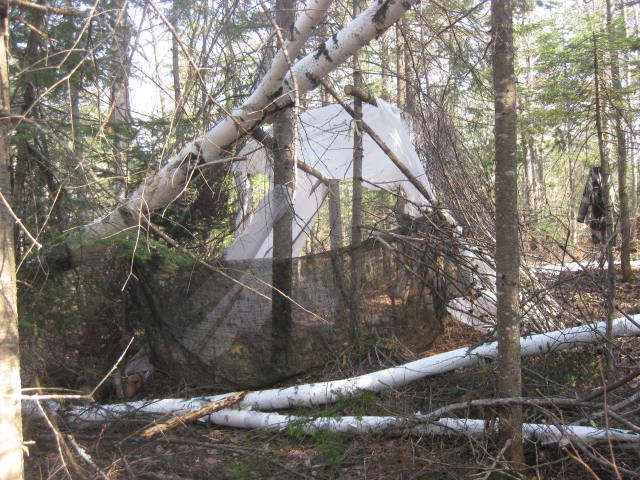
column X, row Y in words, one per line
column 215, row 327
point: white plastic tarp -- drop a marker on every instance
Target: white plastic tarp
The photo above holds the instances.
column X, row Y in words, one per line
column 326, row 144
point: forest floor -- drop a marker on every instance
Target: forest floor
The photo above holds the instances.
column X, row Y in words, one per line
column 115, row 450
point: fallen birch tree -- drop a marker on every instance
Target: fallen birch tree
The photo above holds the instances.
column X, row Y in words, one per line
column 327, row 392
column 430, row 424
column 273, row 93
column 418, row 424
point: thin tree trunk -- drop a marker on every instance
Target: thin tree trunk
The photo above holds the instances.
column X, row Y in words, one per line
column 538, row 173
column 120, row 107
column 23, row 164
column 573, row 193
column 609, row 239
column 633, row 146
column 528, row 182
column 283, row 185
column 336, row 233
column 325, row 98
column 385, row 71
column 244, row 189
column 175, row 57
column 509, row 376
column 356, row 212
column 10, row 415
column 617, row 101
column 74, row 100
column 400, row 69
column 410, row 93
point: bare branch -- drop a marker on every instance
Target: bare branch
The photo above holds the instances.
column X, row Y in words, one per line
column 67, row 12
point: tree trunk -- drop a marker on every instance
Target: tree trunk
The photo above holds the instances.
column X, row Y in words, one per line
column 385, row 71
column 538, row 171
column 356, row 209
column 529, row 191
column 336, row 233
column 509, row 376
column 120, row 107
column 10, row 415
column 573, row 194
column 323, row 32
column 178, row 101
column 175, row 57
column 410, row 92
column 617, row 102
column 283, row 186
column 23, row 162
column 609, row 239
column 400, row 69
column 633, row 146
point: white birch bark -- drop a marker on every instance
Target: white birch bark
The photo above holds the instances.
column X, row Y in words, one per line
column 327, row 392
column 419, row 424
column 416, row 424
column 271, row 94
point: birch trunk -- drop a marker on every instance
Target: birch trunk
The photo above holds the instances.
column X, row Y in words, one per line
column 546, row 434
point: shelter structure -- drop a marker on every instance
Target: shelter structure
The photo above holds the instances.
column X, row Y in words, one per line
column 219, row 332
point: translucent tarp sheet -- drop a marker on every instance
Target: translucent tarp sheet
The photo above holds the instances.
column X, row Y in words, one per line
column 326, row 144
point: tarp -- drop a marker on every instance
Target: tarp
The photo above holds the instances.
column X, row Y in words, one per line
column 326, row 144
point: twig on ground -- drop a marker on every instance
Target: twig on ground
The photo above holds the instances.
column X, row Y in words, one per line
column 612, row 386
column 86, row 457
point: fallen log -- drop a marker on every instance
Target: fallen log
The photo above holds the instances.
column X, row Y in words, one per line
column 418, row 424
column 327, row 392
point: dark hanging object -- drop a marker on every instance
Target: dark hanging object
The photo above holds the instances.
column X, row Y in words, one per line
column 592, row 208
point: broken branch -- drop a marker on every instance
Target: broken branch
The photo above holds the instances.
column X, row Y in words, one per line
column 190, row 417
column 354, row 91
